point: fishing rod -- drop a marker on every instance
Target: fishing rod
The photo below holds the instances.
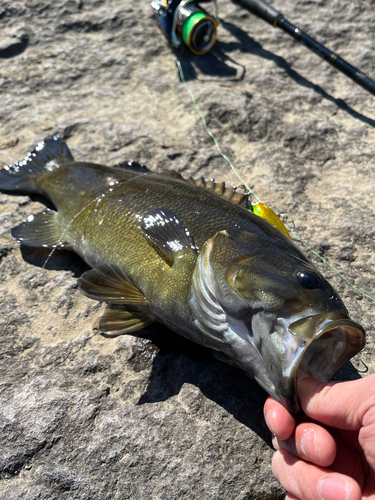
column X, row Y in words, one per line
column 186, row 22
column 165, row 11
column 272, row 16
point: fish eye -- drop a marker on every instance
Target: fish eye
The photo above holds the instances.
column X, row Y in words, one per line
column 309, row 279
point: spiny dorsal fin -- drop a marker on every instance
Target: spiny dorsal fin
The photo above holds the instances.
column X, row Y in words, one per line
column 133, row 165
column 47, row 155
column 168, row 233
column 40, row 230
column 118, row 319
column 172, row 174
column 109, row 284
column 229, row 193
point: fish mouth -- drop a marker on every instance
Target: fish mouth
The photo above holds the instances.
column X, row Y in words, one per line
column 269, row 345
column 319, row 345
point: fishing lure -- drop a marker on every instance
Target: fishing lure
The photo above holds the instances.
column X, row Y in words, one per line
column 269, row 215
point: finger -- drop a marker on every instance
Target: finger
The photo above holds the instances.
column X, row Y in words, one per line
column 279, row 421
column 338, row 404
column 290, row 497
column 310, row 482
column 311, row 442
column 349, row 459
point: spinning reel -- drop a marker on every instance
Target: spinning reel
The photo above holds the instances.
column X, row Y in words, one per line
column 184, row 21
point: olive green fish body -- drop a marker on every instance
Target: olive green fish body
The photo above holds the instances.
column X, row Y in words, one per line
column 182, row 252
column 100, row 209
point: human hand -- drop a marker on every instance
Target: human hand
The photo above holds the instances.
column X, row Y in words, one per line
column 329, row 454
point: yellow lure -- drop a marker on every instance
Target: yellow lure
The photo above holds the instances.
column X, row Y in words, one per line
column 266, row 213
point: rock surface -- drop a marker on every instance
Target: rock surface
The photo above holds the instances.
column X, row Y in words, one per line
column 154, row 416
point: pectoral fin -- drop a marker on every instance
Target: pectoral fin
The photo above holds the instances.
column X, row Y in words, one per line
column 109, row 284
column 117, row 319
column 167, row 232
column 40, row 230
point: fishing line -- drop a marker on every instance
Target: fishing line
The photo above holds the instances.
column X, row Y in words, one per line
column 211, row 134
column 97, row 199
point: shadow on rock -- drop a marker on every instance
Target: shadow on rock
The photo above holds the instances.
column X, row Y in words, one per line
column 176, row 361
column 56, row 260
column 247, row 44
column 14, row 48
column 218, row 64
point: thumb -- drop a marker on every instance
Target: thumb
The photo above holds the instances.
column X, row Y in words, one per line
column 337, row 404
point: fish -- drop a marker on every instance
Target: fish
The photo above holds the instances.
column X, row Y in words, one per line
column 190, row 255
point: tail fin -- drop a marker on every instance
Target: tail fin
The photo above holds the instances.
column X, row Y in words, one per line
column 47, row 155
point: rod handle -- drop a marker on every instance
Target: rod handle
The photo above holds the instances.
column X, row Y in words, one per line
column 368, row 84
column 261, row 9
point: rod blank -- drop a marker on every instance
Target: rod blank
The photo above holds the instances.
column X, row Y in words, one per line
column 261, row 9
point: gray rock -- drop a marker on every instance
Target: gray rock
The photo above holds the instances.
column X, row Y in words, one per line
column 155, row 416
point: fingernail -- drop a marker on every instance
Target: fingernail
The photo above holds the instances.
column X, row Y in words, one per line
column 268, row 419
column 308, row 444
column 275, row 442
column 333, row 488
column 266, row 415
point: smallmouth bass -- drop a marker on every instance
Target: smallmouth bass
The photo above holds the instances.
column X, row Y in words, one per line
column 186, row 254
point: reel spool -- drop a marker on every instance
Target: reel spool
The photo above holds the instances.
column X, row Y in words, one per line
column 198, row 29
column 186, row 22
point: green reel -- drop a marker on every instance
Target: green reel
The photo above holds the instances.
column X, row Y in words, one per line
column 195, row 27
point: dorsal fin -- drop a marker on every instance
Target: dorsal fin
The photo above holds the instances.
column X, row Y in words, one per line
column 229, row 193
column 132, row 165
column 172, row 174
